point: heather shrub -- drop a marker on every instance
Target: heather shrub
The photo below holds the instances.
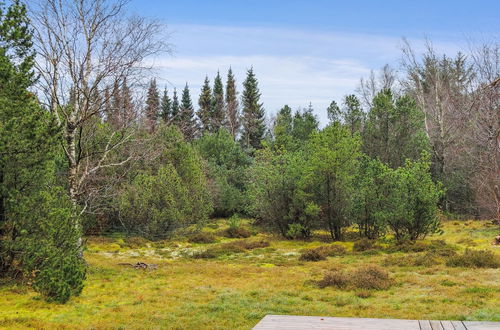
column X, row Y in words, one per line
column 475, row 259
column 370, row 277
column 311, row 255
column 202, row 237
column 367, row 277
column 332, row 250
column 338, row 279
column 236, row 232
column 364, row 245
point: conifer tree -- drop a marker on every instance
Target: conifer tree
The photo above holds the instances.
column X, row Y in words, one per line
column 166, row 105
column 174, row 110
column 333, row 111
column 253, row 113
column 127, row 105
column 205, row 104
column 152, row 110
column 218, row 117
column 233, row 120
column 188, row 123
column 113, row 115
column 35, row 236
column 353, row 115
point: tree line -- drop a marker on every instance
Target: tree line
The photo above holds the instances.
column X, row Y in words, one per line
column 81, row 152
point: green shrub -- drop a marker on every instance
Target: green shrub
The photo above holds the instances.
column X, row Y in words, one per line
column 311, row 255
column 475, row 259
column 203, row 238
column 297, row 231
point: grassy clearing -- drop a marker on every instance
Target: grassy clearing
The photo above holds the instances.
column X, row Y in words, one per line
column 237, row 287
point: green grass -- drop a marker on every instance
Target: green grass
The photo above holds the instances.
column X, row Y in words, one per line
column 235, row 290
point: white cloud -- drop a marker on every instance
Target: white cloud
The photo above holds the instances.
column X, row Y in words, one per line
column 293, row 67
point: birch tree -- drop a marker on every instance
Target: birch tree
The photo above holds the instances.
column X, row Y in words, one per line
column 83, row 46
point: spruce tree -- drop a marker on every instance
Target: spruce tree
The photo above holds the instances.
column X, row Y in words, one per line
column 205, row 104
column 166, row 105
column 152, row 110
column 127, row 105
column 174, row 110
column 253, row 113
column 233, row 120
column 188, row 123
column 113, row 116
column 218, row 117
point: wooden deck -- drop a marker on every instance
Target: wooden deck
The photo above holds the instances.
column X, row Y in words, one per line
column 290, row 322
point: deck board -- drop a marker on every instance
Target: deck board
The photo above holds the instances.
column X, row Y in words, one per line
column 291, row 322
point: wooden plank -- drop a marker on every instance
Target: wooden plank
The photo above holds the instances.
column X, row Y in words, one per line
column 290, row 322
column 458, row 325
column 478, row 325
column 447, row 325
column 425, row 325
column 279, row 322
column 436, row 325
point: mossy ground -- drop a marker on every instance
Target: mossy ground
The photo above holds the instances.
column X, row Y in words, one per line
column 236, row 290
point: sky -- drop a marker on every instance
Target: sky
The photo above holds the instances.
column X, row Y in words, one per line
column 302, row 51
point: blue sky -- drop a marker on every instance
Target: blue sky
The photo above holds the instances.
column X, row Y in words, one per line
column 306, row 51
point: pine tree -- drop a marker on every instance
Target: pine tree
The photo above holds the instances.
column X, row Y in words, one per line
column 205, row 104
column 152, row 110
column 253, row 113
column 187, row 119
column 233, row 120
column 174, row 110
column 28, row 147
column 218, row 112
column 333, row 111
column 353, row 115
column 166, row 105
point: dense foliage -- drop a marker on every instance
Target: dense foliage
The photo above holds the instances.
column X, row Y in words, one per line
column 96, row 157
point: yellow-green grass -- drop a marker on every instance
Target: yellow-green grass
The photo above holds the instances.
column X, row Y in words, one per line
column 236, row 290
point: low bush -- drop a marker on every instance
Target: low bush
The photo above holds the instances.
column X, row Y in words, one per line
column 135, row 242
column 320, row 253
column 338, row 279
column 203, row 238
column 311, row 255
column 364, row 245
column 332, row 250
column 475, row 259
column 364, row 294
column 236, row 232
column 409, row 260
column 435, row 248
column 230, row 248
column 368, row 277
